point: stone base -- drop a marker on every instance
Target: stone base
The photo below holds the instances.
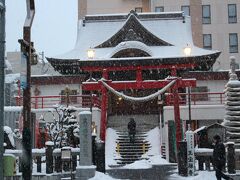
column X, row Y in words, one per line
column 85, row 172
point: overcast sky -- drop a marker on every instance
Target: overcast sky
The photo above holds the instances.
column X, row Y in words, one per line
column 54, row 29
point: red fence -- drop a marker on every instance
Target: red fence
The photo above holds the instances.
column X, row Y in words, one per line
column 38, row 102
column 205, row 98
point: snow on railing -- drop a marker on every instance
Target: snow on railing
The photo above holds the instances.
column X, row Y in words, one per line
column 38, row 154
column 203, row 98
column 40, row 102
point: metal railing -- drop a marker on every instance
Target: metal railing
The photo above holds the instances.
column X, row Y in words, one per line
column 204, row 98
column 40, row 158
column 38, row 102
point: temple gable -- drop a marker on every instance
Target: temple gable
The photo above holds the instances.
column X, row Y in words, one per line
column 133, row 30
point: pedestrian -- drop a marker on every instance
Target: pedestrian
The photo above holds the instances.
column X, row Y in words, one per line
column 219, row 158
column 132, row 130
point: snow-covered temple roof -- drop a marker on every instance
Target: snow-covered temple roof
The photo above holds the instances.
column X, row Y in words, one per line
column 161, row 37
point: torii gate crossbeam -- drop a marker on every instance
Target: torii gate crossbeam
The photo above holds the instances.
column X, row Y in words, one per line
column 139, row 84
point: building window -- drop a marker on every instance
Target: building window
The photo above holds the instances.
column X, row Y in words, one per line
column 199, row 93
column 186, row 10
column 159, row 9
column 207, row 41
column 232, row 13
column 206, row 14
column 233, row 43
column 138, row 9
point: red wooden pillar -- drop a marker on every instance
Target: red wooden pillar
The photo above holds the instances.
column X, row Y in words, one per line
column 139, row 76
column 104, row 108
column 177, row 114
column 176, row 108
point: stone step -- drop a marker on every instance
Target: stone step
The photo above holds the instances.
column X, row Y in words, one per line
column 131, row 153
column 130, row 150
column 127, row 138
column 129, row 160
column 132, row 147
column 136, row 136
column 126, row 132
column 133, row 144
column 128, row 141
column 132, row 159
column 127, row 156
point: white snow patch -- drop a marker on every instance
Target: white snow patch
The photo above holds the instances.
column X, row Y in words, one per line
column 9, row 132
column 142, row 164
column 85, row 112
column 39, row 151
column 49, row 143
column 208, row 175
column 12, row 78
column 101, row 176
column 233, row 82
column 153, row 137
column 199, row 129
column 157, row 160
column 7, row 155
column 13, row 108
column 203, row 150
column 87, row 167
column 110, row 146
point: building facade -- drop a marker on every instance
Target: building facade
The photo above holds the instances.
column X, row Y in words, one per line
column 215, row 24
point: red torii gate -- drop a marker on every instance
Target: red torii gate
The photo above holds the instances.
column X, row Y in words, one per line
column 139, row 84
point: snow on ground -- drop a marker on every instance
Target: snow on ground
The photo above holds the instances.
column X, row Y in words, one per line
column 202, row 175
column 101, row 176
column 153, row 137
column 142, row 164
column 110, row 146
column 155, row 160
column 207, row 175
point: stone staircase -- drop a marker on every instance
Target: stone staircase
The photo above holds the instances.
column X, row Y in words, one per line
column 130, row 152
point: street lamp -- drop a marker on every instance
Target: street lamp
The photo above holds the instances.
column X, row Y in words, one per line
column 187, row 51
column 90, row 53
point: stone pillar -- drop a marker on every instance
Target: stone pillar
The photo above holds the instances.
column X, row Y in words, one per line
column 190, row 152
column 49, row 157
column 182, row 159
column 231, row 158
column 85, row 170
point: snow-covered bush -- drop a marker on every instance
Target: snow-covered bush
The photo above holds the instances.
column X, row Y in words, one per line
column 63, row 131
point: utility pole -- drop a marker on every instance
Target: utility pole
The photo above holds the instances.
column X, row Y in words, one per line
column 2, row 77
column 27, row 52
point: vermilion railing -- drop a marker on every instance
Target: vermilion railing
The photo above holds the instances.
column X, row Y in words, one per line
column 38, row 102
column 205, row 98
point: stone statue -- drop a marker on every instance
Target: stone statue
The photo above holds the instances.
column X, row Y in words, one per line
column 233, row 65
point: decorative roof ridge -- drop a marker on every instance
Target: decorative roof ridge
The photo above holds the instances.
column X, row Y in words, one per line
column 124, row 16
column 133, row 30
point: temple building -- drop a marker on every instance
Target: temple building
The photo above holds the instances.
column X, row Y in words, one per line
column 127, row 58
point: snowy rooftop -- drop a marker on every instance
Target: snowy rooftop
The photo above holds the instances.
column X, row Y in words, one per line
column 172, row 28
